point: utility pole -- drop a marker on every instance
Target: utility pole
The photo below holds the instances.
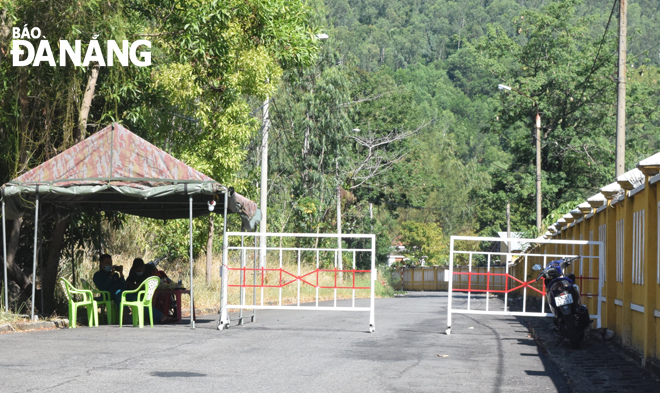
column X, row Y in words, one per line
column 508, row 229
column 339, row 256
column 264, row 184
column 621, row 91
column 538, row 171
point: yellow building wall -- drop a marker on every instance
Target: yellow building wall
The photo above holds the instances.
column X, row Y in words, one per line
column 637, row 257
column 631, row 291
column 618, row 305
column 598, row 221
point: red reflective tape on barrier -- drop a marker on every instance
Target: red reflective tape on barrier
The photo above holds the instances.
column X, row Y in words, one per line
column 581, row 278
column 488, row 290
column 335, row 277
column 523, row 284
column 296, row 278
column 470, row 279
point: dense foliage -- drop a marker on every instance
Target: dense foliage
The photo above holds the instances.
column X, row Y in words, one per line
column 209, row 59
column 428, row 71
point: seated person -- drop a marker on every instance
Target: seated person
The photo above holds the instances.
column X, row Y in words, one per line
column 139, row 272
column 110, row 278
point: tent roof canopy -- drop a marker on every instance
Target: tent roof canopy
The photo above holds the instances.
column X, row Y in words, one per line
column 116, row 170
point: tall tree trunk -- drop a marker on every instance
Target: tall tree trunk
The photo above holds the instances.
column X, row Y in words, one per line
column 14, row 272
column 305, row 152
column 5, row 32
column 24, row 123
column 209, row 250
column 53, row 263
column 80, row 132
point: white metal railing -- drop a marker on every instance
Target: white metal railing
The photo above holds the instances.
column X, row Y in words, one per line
column 508, row 278
column 318, row 266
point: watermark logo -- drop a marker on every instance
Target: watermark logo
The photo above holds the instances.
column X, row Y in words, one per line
column 44, row 54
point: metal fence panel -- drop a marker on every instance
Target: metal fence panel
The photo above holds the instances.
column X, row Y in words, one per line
column 290, row 266
column 486, row 278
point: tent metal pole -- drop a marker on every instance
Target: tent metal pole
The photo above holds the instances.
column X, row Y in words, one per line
column 224, row 317
column 192, row 303
column 254, row 288
column 4, row 255
column 100, row 237
column 34, row 257
column 73, row 258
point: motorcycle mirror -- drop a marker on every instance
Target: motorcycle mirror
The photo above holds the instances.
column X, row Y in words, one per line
column 537, row 267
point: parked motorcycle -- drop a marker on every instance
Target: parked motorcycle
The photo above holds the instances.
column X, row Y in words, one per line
column 571, row 318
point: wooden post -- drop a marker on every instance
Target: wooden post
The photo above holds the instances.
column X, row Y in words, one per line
column 412, row 278
column 422, row 269
column 621, row 91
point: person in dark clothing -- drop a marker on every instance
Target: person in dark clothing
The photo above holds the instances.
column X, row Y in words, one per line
column 139, row 272
column 110, row 278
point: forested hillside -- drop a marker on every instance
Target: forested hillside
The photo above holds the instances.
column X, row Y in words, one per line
column 431, row 69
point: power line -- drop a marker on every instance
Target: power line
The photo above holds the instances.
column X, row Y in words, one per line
column 602, row 40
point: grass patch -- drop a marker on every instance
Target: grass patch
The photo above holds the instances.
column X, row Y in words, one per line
column 9, row 318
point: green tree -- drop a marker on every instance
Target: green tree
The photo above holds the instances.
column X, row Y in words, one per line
column 209, row 59
column 560, row 70
column 425, row 241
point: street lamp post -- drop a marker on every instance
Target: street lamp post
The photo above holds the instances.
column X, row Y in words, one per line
column 537, row 126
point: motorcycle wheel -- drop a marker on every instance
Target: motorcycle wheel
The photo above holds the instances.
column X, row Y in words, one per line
column 574, row 335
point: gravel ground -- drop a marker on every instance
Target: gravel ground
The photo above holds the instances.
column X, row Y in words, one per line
column 598, row 366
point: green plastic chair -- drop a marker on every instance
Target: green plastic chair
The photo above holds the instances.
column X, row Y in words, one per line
column 145, row 294
column 88, row 301
column 104, row 300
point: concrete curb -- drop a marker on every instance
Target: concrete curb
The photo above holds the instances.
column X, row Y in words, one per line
column 28, row 326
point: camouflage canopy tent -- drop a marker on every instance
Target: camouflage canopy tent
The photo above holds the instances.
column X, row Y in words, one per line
column 115, row 170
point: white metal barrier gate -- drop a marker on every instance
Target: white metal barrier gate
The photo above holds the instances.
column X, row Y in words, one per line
column 516, row 283
column 321, row 268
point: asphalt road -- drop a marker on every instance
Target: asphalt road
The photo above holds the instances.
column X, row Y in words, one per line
column 288, row 351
